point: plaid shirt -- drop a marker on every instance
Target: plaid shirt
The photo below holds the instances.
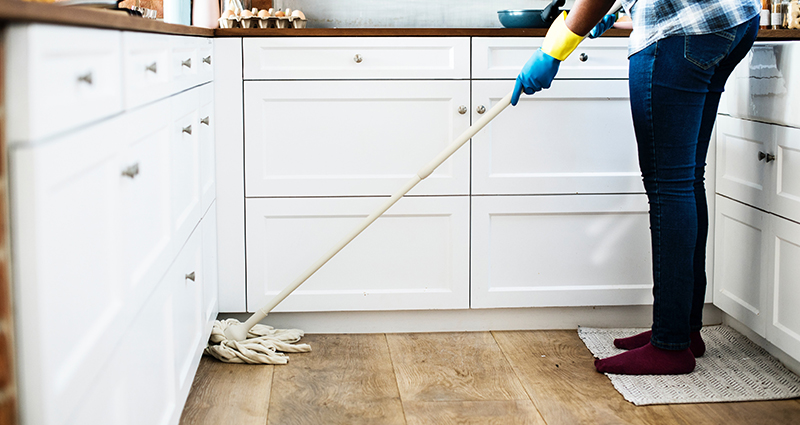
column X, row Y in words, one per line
column 654, row 20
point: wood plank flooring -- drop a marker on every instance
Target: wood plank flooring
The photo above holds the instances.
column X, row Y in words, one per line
column 519, row 377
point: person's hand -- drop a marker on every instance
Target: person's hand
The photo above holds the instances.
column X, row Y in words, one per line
column 537, row 74
column 606, row 23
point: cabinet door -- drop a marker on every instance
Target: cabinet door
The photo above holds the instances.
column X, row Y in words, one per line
column 537, row 148
column 185, row 163
column 206, row 141
column 545, row 251
column 743, row 172
column 783, row 326
column 785, row 199
column 740, row 274
column 184, row 65
column 340, row 138
column 210, row 270
column 146, row 67
column 416, row 256
column 69, row 285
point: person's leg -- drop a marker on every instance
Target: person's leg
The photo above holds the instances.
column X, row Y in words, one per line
column 670, row 83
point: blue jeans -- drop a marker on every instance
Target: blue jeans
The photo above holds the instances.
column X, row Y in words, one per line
column 675, row 87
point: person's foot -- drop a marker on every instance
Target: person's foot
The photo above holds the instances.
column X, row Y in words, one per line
column 648, row 360
column 697, row 345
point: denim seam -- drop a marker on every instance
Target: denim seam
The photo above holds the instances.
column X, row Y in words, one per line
column 687, row 54
column 657, row 212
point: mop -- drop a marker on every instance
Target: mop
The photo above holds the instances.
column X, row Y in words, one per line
column 254, row 343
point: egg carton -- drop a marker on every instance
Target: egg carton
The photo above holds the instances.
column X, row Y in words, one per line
column 252, row 20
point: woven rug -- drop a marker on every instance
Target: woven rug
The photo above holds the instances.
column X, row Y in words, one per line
column 733, row 369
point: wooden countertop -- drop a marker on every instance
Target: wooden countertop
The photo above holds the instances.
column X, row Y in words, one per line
column 19, row 11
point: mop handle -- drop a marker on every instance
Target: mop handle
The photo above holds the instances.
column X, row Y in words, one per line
column 418, row 177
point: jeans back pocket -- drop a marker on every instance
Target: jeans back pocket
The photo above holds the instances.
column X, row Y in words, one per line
column 707, row 50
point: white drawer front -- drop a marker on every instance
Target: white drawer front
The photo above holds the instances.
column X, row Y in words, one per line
column 742, row 172
column 785, row 200
column 764, row 86
column 205, row 54
column 184, row 65
column 356, row 58
column 185, row 162
column 353, row 137
column 601, row 58
column 545, row 251
column 68, row 76
column 413, row 257
column 146, row 67
column 537, row 148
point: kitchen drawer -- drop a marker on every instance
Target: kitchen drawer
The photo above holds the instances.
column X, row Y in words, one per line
column 762, row 88
column 501, row 57
column 146, row 67
column 64, row 77
column 356, row 58
column 537, row 148
column 549, row 251
column 206, row 139
column 185, row 162
column 347, row 138
column 416, row 256
column 191, row 62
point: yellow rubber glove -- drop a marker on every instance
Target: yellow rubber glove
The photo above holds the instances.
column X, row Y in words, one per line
column 560, row 41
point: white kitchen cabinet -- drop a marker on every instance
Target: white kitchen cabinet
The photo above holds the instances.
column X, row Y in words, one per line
column 348, row 138
column 64, row 78
column 783, row 323
column 146, row 67
column 537, row 148
column 210, row 266
column 101, row 209
column 416, row 256
column 541, row 251
column 740, row 263
column 295, row 58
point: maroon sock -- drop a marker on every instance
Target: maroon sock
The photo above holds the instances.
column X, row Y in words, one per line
column 648, row 360
column 697, row 345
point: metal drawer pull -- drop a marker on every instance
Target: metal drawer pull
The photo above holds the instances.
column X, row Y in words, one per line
column 462, row 109
column 207, row 60
column 187, row 63
column 187, row 130
column 768, row 156
column 205, row 121
column 86, row 78
column 152, row 68
column 190, row 276
column 358, row 58
column 131, row 171
column 481, row 109
column 583, row 57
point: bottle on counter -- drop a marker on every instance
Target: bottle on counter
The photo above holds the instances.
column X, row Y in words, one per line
column 776, row 22
column 766, row 16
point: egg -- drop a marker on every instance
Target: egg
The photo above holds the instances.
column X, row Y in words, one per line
column 271, row 11
column 247, row 14
column 298, row 14
column 280, row 13
column 263, row 13
column 227, row 14
column 288, row 12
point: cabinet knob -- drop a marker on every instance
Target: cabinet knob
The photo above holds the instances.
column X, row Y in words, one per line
column 86, row 78
column 187, row 63
column 152, row 68
column 480, row 109
column 206, row 121
column 583, row 57
column 131, row 171
column 462, row 109
column 768, row 156
column 358, row 58
column 207, row 60
column 187, row 130
column 191, row 276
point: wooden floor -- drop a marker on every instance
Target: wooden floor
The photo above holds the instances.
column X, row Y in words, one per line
column 521, row 377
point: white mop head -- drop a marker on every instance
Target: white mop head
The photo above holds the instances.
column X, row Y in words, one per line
column 262, row 346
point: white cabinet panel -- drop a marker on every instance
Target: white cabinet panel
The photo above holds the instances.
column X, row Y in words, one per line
column 210, row 268
column 536, row 251
column 184, row 64
column 783, row 326
column 785, row 200
column 326, row 138
column 536, row 148
column 337, row 58
column 63, row 78
column 146, row 67
column 740, row 286
column 205, row 137
column 185, row 162
column 503, row 57
column 416, row 256
column 743, row 172
column 762, row 87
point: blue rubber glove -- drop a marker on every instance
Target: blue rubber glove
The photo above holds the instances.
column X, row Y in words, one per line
column 537, row 74
column 606, row 23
